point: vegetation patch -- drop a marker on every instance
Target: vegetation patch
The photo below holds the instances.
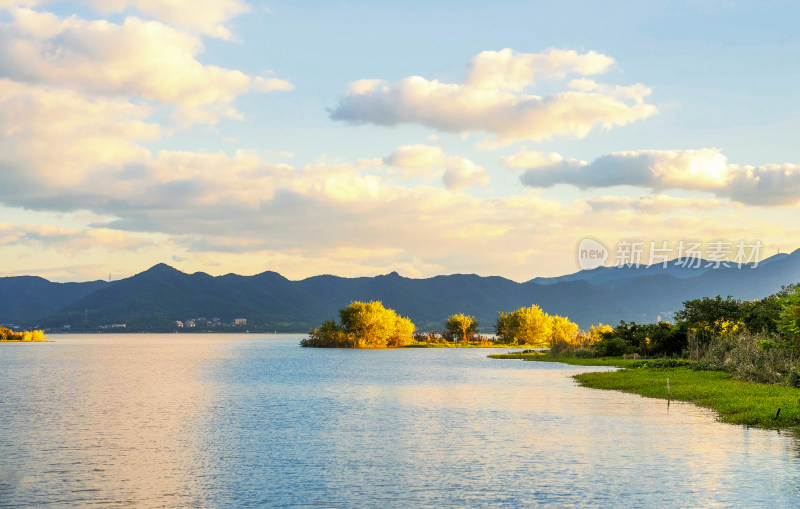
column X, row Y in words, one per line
column 701, row 383
column 363, row 325
column 8, row 335
column 545, row 356
column 736, row 402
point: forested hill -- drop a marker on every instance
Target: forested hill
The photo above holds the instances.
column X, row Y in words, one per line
column 157, row 298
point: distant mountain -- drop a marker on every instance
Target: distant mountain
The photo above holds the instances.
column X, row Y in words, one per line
column 153, row 300
column 28, row 299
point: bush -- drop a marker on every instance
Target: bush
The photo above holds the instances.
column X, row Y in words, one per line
column 746, row 358
column 583, row 353
column 610, row 346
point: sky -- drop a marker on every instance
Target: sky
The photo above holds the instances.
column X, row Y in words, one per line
column 360, row 138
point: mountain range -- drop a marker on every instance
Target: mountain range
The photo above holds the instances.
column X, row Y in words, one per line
column 157, row 298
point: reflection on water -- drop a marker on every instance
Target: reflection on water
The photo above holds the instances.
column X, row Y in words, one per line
column 220, row 421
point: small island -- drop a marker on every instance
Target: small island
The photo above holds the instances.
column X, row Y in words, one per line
column 28, row 336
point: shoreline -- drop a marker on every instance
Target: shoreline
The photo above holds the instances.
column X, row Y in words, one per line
column 734, row 402
column 21, row 341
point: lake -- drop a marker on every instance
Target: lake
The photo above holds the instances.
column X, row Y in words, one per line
column 251, row 420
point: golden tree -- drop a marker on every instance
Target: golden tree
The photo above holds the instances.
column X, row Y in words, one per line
column 363, row 325
column 461, row 327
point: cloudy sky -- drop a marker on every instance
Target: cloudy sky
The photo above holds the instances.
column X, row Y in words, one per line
column 357, row 138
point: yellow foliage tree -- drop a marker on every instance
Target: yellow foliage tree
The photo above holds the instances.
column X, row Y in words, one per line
column 525, row 326
column 563, row 330
column 28, row 335
column 596, row 332
column 460, row 326
column 363, row 325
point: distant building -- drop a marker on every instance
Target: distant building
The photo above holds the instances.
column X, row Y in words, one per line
column 114, row 326
column 67, row 327
column 240, row 321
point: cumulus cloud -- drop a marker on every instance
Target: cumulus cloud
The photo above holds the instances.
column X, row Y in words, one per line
column 430, row 162
column 493, row 98
column 705, row 170
column 769, row 184
column 462, row 173
column 135, row 59
column 237, row 210
column 208, row 17
column 509, row 70
column 58, row 138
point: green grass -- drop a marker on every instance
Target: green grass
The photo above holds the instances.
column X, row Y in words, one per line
column 734, row 402
column 545, row 357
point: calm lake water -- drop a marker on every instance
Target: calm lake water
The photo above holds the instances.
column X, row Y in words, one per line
column 247, row 420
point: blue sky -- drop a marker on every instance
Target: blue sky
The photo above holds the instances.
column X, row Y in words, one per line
column 228, row 136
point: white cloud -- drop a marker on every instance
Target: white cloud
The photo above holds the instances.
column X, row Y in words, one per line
column 208, row 17
column 509, row 70
column 430, row 162
column 766, row 185
column 135, row 59
column 705, row 170
column 492, row 99
column 347, row 218
column 58, row 138
column 462, row 173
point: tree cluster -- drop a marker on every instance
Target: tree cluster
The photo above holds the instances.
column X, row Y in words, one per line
column 363, row 325
column 28, row 335
column 532, row 326
column 707, row 321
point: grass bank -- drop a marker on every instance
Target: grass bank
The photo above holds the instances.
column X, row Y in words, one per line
column 735, row 402
column 544, row 357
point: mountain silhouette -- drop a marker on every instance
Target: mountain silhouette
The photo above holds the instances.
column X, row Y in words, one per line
column 155, row 299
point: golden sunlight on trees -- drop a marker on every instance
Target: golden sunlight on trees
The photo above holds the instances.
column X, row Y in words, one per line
column 532, row 326
column 597, row 332
column 363, row 325
column 28, row 335
column 460, row 327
